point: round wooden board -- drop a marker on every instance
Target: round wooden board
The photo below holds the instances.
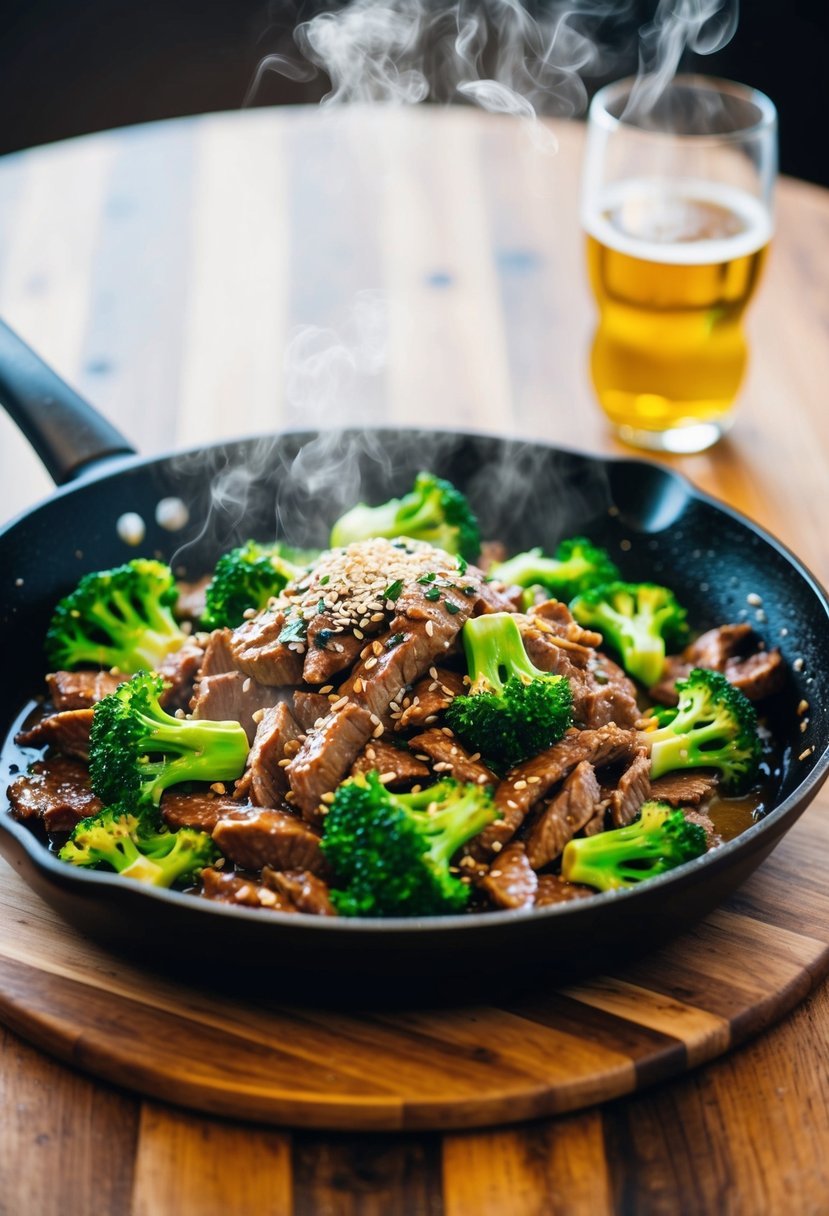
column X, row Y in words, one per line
column 744, row 967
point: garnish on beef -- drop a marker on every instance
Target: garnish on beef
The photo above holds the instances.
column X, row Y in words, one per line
column 244, row 892
column 511, row 881
column 306, row 891
column 258, row 652
column 429, row 697
column 450, row 759
column 397, row 766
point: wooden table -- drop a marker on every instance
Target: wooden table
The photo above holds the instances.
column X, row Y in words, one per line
column 236, row 273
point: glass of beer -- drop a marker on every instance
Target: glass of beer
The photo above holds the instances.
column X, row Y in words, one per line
column 677, row 206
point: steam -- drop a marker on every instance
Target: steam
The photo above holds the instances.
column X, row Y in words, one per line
column 701, row 26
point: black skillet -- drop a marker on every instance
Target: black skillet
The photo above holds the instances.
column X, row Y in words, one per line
column 655, row 524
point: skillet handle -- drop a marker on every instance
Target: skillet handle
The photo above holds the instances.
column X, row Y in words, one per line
column 65, row 431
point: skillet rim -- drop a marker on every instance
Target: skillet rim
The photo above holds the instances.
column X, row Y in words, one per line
column 58, row 874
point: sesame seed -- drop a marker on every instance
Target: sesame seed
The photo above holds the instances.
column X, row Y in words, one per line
column 497, row 846
column 445, row 730
column 432, row 718
column 804, row 726
column 246, row 684
column 377, row 648
column 442, row 766
column 798, row 664
column 218, row 787
column 433, row 672
column 513, row 806
column 475, row 756
column 326, row 688
column 754, row 599
column 340, row 702
column 533, row 780
column 430, row 629
column 495, row 873
column 358, row 633
column 804, row 755
column 371, row 754
column 284, row 762
column 519, row 785
column 373, row 718
column 267, row 898
column 258, row 715
column 377, row 616
column 249, row 614
column 802, row 707
column 378, row 730
column 328, row 798
column 372, row 662
column 385, row 778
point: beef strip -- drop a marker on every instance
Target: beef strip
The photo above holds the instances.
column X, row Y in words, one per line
column 552, row 889
column 230, row 888
column 309, row 707
column 557, row 617
column 450, row 759
column 602, row 693
column 598, row 823
column 326, row 756
column 687, row 788
column 253, row 837
column 265, row 781
column 758, row 675
column 257, row 651
column 430, row 697
column 733, row 650
column 529, row 782
column 179, row 671
column 81, row 689
column 633, row 789
column 326, row 657
column 218, row 653
column 306, row 891
column 200, row 809
column 231, row 696
column 66, row 732
column 511, row 881
column 567, row 813
column 56, row 792
column 395, row 764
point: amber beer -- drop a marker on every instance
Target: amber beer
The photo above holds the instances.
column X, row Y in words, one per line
column 672, row 266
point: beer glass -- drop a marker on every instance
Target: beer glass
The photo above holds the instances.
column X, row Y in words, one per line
column 677, row 207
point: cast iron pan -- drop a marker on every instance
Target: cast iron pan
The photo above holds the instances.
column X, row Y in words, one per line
column 654, row 523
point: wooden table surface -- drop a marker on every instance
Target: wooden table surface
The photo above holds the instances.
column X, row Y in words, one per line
column 237, row 273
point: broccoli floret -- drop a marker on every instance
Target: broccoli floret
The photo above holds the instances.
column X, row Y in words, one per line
column 137, row 750
column 715, row 726
column 514, row 710
column 391, row 852
column 660, row 840
column 640, row 620
column 578, row 565
column 247, row 577
column 136, row 846
column 433, row 511
column 118, row 618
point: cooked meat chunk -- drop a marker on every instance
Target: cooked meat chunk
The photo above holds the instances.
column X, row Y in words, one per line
column 602, row 693
column 327, row 755
column 200, row 809
column 567, row 813
column 218, row 653
column 253, row 837
column 687, row 788
column 450, row 759
column 430, row 696
column 531, row 781
column 633, row 789
column 81, row 689
column 326, row 656
column 179, row 671
column 511, row 881
column 735, row 651
column 306, row 891
column 190, row 603
column 245, row 892
column 597, row 824
column 231, row 696
column 557, row 617
column 309, row 707
column 66, row 732
column 264, row 780
column 552, row 889
column 258, row 653
column 56, row 792
column 396, row 765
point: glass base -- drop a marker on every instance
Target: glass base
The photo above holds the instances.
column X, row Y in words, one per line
column 682, row 440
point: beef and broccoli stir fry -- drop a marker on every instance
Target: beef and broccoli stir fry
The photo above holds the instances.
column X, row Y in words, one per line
column 396, row 726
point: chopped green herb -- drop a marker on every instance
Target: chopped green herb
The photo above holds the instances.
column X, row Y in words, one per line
column 325, row 580
column 451, row 608
column 394, row 640
column 427, row 578
column 432, row 594
column 468, row 589
column 321, row 606
column 294, row 631
column 322, row 639
column 463, row 565
column 393, row 590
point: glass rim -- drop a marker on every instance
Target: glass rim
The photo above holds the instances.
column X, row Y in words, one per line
column 600, row 115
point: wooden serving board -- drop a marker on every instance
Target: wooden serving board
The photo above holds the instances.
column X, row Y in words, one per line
column 743, row 968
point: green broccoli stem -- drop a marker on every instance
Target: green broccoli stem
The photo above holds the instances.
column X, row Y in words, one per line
column 205, row 751
column 495, row 651
column 670, row 750
column 450, row 827
column 149, row 640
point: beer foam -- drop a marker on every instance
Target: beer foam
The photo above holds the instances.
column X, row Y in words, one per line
column 751, row 214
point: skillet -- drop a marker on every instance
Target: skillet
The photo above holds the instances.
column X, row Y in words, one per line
column 655, row 524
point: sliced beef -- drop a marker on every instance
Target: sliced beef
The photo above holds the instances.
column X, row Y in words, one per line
column 602, row 693
column 633, row 789
column 81, row 689
column 531, row 781
column 687, row 788
column 231, row 696
column 430, row 696
column 191, row 599
column 327, row 755
column 66, row 732
column 396, row 765
column 713, row 648
column 758, row 675
column 567, row 813
column 56, row 792
column 450, row 759
column 597, row 824
column 258, row 653
column 734, row 650
column 309, row 707
column 511, row 881
column 306, row 891
column 179, row 671
column 230, row 888
column 200, row 809
column 265, row 781
column 552, row 889
column 328, row 653
column 218, row 653
column 558, row 618
column 253, row 837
